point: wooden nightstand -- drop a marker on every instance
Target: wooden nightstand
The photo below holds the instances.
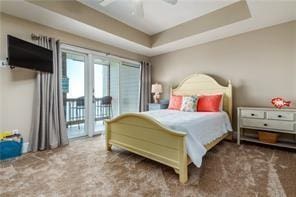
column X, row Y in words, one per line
column 157, row 106
column 281, row 121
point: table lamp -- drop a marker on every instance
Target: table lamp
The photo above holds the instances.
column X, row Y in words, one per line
column 156, row 89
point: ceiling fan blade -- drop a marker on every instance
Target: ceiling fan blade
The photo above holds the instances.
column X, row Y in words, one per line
column 173, row 2
column 137, row 8
column 106, row 2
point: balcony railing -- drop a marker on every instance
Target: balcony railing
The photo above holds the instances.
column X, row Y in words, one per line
column 75, row 110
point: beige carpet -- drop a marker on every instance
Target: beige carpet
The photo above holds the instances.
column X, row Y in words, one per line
column 84, row 168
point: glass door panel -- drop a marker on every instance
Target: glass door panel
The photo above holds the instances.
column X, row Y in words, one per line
column 101, row 102
column 129, row 84
column 114, row 86
column 73, row 86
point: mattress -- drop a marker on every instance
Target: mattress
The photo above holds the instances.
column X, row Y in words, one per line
column 201, row 128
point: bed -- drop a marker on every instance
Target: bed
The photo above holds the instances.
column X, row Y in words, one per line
column 144, row 134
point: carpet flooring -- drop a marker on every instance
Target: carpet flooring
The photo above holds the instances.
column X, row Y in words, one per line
column 85, row 168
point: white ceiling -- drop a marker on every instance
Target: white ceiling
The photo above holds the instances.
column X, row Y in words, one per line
column 158, row 15
column 264, row 13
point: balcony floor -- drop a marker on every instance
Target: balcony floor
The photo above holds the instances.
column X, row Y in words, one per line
column 76, row 130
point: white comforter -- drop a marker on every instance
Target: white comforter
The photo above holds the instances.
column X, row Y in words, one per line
column 201, row 128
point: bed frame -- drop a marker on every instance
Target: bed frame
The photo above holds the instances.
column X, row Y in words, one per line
column 147, row 137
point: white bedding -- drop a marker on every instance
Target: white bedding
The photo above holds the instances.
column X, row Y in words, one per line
column 201, row 128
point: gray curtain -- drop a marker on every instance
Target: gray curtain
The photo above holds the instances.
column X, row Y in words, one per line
column 145, row 86
column 48, row 127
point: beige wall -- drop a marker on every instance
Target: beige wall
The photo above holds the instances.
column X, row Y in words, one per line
column 294, row 33
column 1, row 86
column 261, row 64
column 17, row 86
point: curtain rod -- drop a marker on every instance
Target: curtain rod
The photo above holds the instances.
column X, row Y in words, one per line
column 106, row 53
column 37, row 37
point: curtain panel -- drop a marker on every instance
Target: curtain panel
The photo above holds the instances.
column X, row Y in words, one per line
column 145, row 86
column 48, row 127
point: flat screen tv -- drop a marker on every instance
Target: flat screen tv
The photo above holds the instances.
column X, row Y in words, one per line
column 27, row 55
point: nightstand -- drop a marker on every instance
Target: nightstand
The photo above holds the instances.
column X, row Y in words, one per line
column 280, row 121
column 157, row 106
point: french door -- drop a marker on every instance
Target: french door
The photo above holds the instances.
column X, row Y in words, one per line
column 99, row 87
column 96, row 87
column 74, row 88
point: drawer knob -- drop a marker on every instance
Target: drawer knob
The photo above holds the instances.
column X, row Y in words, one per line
column 252, row 114
column 265, row 124
column 280, row 116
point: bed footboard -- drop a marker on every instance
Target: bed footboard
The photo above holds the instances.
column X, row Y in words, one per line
column 147, row 137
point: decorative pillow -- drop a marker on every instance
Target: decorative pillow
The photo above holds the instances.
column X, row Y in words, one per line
column 209, row 103
column 221, row 101
column 219, row 93
column 189, row 103
column 175, row 102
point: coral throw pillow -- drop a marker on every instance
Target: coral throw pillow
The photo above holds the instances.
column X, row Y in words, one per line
column 189, row 103
column 175, row 102
column 209, row 103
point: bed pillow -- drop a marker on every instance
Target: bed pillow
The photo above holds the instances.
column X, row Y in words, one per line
column 189, row 103
column 175, row 102
column 209, row 103
column 221, row 101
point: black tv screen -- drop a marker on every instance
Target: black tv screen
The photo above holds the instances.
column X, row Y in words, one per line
column 27, row 55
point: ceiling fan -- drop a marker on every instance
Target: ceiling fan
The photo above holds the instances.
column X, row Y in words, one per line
column 136, row 6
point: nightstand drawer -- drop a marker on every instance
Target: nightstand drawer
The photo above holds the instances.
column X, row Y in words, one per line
column 252, row 114
column 277, row 115
column 268, row 124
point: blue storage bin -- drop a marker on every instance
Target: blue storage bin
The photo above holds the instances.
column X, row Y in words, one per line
column 10, row 149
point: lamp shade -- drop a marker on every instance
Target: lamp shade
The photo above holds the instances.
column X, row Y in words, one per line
column 156, row 88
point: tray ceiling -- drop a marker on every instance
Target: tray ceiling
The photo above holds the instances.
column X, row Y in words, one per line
column 188, row 23
column 158, row 15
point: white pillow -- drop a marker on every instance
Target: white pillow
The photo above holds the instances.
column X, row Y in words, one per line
column 189, row 104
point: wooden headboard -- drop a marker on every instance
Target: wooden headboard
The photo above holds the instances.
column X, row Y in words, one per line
column 197, row 84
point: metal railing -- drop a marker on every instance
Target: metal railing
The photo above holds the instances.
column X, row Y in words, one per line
column 75, row 110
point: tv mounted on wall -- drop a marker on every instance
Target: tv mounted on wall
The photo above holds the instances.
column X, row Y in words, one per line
column 27, row 55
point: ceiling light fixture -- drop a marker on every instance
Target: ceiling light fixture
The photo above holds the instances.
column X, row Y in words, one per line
column 137, row 8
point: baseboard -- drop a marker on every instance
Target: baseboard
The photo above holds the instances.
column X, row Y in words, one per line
column 25, row 147
column 231, row 136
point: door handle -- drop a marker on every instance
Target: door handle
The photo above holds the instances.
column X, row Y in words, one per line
column 93, row 99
